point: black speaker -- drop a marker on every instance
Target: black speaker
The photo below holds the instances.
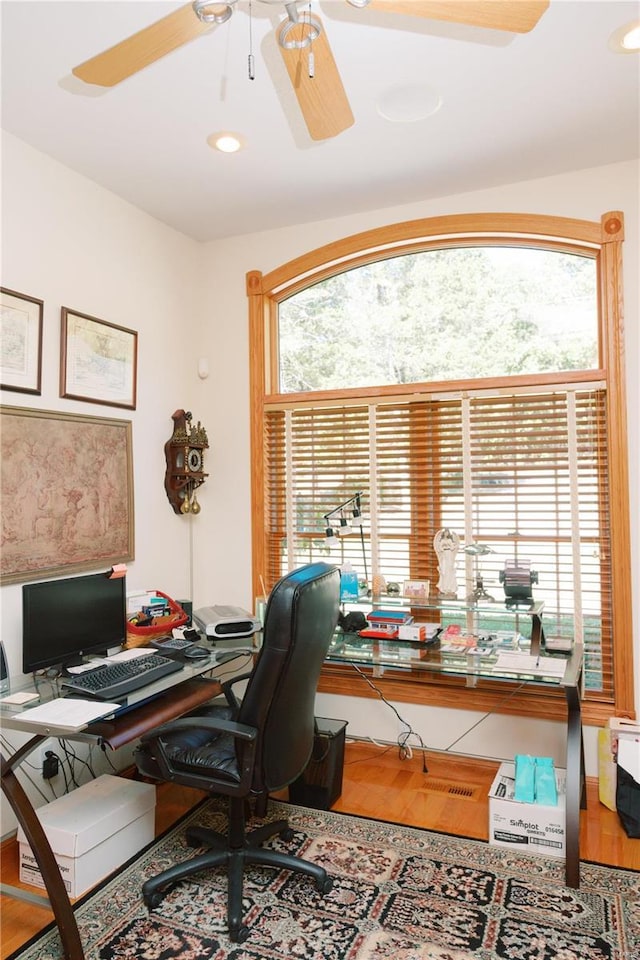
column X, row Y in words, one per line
column 4, row 671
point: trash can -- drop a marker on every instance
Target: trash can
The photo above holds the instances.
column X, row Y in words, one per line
column 320, row 784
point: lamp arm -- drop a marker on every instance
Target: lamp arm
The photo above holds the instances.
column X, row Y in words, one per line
column 354, row 499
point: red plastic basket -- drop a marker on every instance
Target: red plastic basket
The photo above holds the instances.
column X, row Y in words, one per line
column 139, row 636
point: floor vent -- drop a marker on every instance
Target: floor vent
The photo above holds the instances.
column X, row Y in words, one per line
column 453, row 789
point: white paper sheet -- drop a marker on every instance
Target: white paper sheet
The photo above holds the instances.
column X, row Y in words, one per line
column 67, row 713
column 525, row 663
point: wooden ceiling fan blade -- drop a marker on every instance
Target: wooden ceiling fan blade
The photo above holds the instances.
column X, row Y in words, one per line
column 322, row 99
column 515, row 16
column 143, row 48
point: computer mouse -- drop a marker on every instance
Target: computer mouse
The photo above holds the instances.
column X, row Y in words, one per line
column 196, row 653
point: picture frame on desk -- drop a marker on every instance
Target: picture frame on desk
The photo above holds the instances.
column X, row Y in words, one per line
column 21, row 342
column 98, row 360
column 416, row 590
column 66, row 493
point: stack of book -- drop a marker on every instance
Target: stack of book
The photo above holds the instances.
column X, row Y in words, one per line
column 385, row 624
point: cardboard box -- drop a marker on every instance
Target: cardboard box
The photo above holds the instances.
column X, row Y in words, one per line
column 528, row 827
column 413, row 631
column 92, row 831
column 617, row 729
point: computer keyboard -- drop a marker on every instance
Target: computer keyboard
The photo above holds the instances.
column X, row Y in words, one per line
column 115, row 680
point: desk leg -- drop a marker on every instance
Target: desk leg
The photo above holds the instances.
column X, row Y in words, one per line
column 26, row 815
column 576, row 788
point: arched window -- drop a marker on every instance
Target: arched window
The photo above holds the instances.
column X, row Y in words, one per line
column 460, row 372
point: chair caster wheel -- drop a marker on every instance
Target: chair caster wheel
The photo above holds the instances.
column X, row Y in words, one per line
column 324, row 886
column 239, row 934
column 152, row 900
column 287, row 834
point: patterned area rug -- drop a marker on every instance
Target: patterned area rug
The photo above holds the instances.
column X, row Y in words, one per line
column 399, row 894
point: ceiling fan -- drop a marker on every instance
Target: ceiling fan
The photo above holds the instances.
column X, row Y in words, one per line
column 303, row 44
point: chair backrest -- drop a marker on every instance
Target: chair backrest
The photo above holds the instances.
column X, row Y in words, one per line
column 300, row 619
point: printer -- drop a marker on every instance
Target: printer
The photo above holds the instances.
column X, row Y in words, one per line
column 225, row 622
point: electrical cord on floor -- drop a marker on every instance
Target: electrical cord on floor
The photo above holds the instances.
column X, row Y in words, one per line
column 405, row 751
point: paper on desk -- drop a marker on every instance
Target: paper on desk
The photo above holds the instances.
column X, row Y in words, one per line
column 131, row 654
column 67, row 713
column 89, row 665
column 116, row 658
column 524, row 663
column 20, row 698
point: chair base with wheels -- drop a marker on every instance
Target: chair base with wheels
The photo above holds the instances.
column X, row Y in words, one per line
column 233, row 852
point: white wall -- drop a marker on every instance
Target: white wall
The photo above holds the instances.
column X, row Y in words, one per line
column 585, row 194
column 70, row 242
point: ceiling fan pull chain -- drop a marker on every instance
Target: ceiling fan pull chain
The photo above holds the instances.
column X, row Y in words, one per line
column 251, row 58
column 312, row 59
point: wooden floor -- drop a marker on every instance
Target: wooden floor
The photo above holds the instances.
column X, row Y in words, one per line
column 452, row 798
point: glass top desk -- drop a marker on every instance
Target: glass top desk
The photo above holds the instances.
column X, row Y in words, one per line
column 164, row 700
column 489, row 656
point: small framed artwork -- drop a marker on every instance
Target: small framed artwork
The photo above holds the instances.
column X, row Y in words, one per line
column 21, row 342
column 98, row 360
column 416, row 589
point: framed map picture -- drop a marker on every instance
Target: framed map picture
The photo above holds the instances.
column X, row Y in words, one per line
column 66, row 493
column 98, row 360
column 20, row 342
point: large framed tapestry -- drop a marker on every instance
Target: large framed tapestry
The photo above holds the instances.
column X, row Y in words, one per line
column 66, row 493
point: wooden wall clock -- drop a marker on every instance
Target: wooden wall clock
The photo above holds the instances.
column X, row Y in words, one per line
column 184, row 453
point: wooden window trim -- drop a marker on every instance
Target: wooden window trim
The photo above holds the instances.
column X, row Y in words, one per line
column 603, row 240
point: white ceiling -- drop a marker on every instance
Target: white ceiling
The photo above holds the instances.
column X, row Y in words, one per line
column 514, row 107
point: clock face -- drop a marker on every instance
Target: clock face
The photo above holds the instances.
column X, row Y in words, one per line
column 194, row 460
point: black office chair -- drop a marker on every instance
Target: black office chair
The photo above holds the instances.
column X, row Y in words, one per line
column 250, row 748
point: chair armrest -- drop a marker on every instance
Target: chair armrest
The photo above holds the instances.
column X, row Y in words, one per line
column 227, row 686
column 240, row 731
column 207, row 781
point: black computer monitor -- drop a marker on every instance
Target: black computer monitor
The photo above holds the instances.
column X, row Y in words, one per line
column 64, row 619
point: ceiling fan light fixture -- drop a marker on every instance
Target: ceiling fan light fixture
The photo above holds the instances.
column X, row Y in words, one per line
column 211, row 12
column 225, row 142
column 626, row 39
column 359, row 3
column 313, row 31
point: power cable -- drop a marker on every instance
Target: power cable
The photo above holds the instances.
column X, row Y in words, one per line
column 405, row 751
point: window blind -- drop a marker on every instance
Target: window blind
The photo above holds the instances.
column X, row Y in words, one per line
column 524, row 475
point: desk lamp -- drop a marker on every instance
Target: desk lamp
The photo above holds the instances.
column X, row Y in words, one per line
column 342, row 520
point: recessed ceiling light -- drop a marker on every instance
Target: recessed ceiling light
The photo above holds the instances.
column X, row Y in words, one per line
column 626, row 39
column 225, row 142
column 408, row 102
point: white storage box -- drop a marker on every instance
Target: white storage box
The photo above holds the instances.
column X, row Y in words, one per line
column 92, row 831
column 528, row 827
